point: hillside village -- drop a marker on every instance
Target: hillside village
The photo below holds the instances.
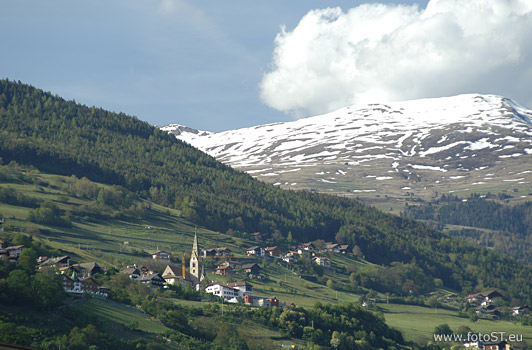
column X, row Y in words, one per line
column 79, row 278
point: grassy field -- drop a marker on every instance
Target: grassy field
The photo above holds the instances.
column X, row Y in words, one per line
column 116, row 316
column 418, row 323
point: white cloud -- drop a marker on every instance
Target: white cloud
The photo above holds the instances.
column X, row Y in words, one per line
column 377, row 52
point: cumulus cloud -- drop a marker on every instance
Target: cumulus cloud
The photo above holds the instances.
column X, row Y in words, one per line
column 378, row 53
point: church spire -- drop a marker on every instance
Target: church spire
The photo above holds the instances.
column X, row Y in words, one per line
column 195, row 262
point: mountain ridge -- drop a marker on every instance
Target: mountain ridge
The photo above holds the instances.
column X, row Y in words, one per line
column 411, row 146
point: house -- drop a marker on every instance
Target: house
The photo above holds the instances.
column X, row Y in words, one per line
column 500, row 345
column 232, row 263
column 88, row 285
column 343, row 248
column 273, row 251
column 161, row 255
column 289, row 259
column 222, row 290
column 520, row 310
column 293, row 253
column 256, row 251
column 243, row 288
column 306, row 248
column 209, row 252
column 322, row 261
column 223, row 251
column 483, row 298
column 253, row 268
column 132, row 272
column 154, row 279
column 58, row 262
column 88, row 269
column 224, row 270
column 14, row 251
column 273, row 301
column 331, row 247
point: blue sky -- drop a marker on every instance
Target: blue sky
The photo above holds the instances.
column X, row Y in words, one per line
column 208, row 64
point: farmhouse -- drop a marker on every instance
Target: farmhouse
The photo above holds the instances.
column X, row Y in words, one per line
column 256, row 251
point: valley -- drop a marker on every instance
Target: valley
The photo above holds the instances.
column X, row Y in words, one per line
column 100, row 187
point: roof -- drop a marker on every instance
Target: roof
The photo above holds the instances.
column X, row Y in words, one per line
column 237, row 284
column 248, row 266
column 344, row 246
column 149, row 277
column 308, row 244
column 225, row 267
column 271, row 248
column 254, row 248
column 15, row 247
column 53, row 261
column 130, row 270
column 88, row 266
column 159, row 252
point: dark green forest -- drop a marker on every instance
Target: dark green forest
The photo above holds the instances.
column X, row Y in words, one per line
column 507, row 228
column 62, row 137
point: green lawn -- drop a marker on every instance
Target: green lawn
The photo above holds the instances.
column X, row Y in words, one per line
column 418, row 323
column 116, row 316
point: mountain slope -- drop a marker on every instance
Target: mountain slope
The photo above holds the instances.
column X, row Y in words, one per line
column 66, row 138
column 400, row 149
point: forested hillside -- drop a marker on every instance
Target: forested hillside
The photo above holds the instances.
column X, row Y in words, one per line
column 66, row 138
column 488, row 220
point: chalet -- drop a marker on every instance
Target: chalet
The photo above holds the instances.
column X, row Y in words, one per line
column 222, row 290
column 58, row 262
column 154, row 279
column 232, row 263
column 293, row 253
column 273, row 251
column 88, row 269
column 344, row 248
column 289, row 259
column 131, row 272
column 209, row 252
column 14, row 251
column 322, row 261
column 520, row 310
column 256, row 251
column 499, row 345
column 74, row 284
column 224, row 270
column 253, row 268
column 161, row 255
column 223, row 251
column 243, row 288
column 273, row 301
column 306, row 248
column 483, row 298
column 331, row 247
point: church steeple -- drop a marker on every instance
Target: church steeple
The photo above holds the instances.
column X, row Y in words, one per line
column 195, row 268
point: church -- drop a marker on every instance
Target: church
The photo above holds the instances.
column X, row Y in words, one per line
column 196, row 272
column 196, row 267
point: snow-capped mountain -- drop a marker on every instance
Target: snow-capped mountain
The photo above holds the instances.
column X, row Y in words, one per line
column 403, row 148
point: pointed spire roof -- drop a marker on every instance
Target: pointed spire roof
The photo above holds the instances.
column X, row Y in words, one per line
column 195, row 249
